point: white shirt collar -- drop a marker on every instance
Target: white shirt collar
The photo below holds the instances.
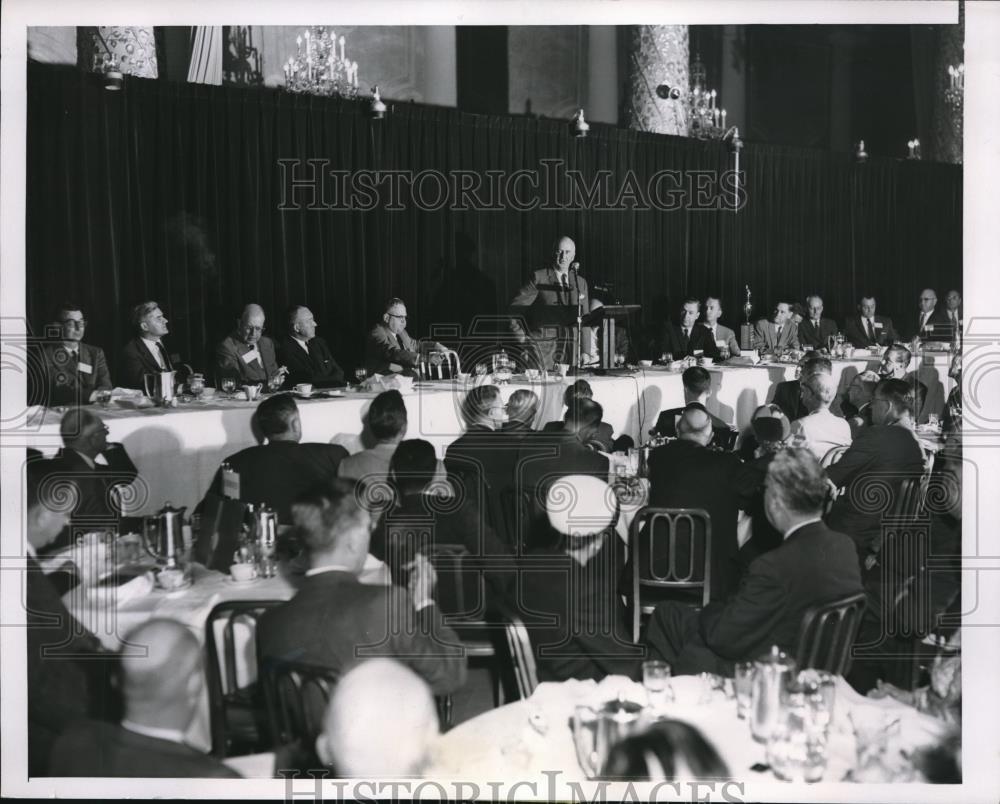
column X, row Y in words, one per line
column 86, row 458
column 171, row 735
column 329, row 568
column 304, row 344
column 801, row 525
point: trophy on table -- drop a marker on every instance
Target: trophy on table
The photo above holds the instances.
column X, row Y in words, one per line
column 746, row 329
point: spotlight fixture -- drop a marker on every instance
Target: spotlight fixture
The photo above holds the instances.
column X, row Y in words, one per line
column 667, row 92
column 113, row 79
column 377, row 109
column 735, row 143
column 580, row 126
column 861, row 155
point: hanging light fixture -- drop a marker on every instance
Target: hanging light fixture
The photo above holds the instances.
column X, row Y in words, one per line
column 580, row 126
column 320, row 66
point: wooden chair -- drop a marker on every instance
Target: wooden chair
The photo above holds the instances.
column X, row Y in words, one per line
column 236, row 713
column 645, row 537
column 827, row 634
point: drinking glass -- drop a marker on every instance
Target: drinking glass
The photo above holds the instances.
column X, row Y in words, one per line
column 585, row 740
column 481, row 370
column 228, row 385
column 795, row 751
column 666, row 358
column 656, row 680
column 743, row 684
column 103, row 397
column 360, row 375
column 933, row 421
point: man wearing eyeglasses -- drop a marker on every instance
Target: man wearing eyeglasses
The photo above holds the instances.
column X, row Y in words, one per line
column 932, row 324
column 247, row 354
column 389, row 348
column 74, row 370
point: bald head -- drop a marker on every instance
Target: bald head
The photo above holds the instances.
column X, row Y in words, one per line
column 162, row 674
column 250, row 325
column 565, row 253
column 818, row 391
column 376, row 698
column 695, row 425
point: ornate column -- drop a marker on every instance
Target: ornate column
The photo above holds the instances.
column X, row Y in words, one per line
column 658, row 54
column 132, row 49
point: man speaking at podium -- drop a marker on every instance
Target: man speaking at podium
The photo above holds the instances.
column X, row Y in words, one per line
column 538, row 302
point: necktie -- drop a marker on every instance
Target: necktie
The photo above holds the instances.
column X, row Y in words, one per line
column 777, row 332
column 923, row 321
column 565, row 285
column 164, row 356
column 687, row 332
column 871, row 330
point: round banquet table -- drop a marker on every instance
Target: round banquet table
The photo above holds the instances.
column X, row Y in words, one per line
column 178, row 450
column 509, row 743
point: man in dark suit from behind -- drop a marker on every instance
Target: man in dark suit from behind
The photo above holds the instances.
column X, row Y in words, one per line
column 570, row 451
column 684, row 339
column 788, row 393
column 74, row 370
column 96, row 468
column 581, row 389
column 687, row 474
column 697, row 383
column 335, row 621
column 868, row 329
column 813, row 565
column 307, row 356
column 162, row 681
column 280, row 469
column 815, row 330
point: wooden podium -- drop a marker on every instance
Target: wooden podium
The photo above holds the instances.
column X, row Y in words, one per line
column 609, row 314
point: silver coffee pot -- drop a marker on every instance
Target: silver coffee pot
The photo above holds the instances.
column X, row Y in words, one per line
column 265, row 534
column 160, row 386
column 163, row 534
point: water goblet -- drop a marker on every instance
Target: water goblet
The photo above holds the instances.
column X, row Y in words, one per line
column 656, row 681
column 228, row 385
column 360, row 375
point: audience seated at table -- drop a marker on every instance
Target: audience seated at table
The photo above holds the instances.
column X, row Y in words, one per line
column 334, row 620
column 821, row 429
column 686, row 473
column 73, row 370
column 581, row 389
column 879, row 459
column 567, row 592
column 666, row 751
column 377, row 698
column 90, row 470
column 856, row 406
column 278, row 470
column 788, row 393
column 66, row 678
column 697, row 383
column 522, row 407
column 162, row 681
column 481, row 454
column 813, row 565
column 307, row 356
column 574, row 450
column 387, row 422
column 424, row 514
column 771, row 431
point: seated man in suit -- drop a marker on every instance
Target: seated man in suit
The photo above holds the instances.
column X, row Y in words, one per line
column 307, row 357
column 279, row 470
column 896, row 364
column 815, row 330
column 857, row 405
column 387, row 422
column 74, row 370
column 389, row 348
column 568, row 592
column 933, row 324
column 722, row 335
column 574, row 450
column 581, row 389
column 779, row 334
column 162, row 685
column 247, row 354
column 686, row 474
column 953, row 308
column 62, row 686
column 95, row 467
column 813, row 565
column 335, row 621
column 822, row 430
column 146, row 353
column 378, row 697
column 697, row 383
column 885, row 453
column 868, row 329
column 788, row 393
column 689, row 337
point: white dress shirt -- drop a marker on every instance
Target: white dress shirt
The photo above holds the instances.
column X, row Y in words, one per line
column 154, row 350
column 823, row 431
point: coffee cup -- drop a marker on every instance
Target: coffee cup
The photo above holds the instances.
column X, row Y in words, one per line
column 304, row 388
column 645, row 363
column 706, row 361
column 243, row 572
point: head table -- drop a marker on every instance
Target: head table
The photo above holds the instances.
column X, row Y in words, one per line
column 177, row 450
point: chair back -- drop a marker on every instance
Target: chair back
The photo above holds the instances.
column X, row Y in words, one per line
column 219, row 531
column 520, row 655
column 229, row 638
column 671, row 549
column 517, row 518
column 827, row 634
column 833, row 455
column 297, row 694
column 461, row 590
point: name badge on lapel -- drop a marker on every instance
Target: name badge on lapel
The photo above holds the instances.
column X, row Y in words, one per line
column 86, row 368
column 250, row 356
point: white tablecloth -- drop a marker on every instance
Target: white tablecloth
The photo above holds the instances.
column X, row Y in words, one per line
column 178, row 450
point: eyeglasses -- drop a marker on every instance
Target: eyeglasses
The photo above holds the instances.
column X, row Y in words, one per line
column 253, row 328
column 393, row 315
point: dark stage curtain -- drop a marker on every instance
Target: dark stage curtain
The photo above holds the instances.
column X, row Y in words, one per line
column 171, row 191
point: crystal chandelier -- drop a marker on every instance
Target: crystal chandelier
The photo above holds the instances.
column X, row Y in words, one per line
column 954, row 95
column 320, row 66
column 705, row 120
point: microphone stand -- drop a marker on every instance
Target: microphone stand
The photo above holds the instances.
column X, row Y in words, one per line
column 579, row 319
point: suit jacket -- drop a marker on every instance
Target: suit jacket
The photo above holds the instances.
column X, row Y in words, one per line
column 880, row 456
column 683, row 474
column 942, row 326
column 766, row 339
column 69, row 380
column 543, row 460
column 278, row 472
column 671, row 339
column 810, row 335
column 335, row 621
column 788, row 397
column 94, row 748
column 97, row 505
column 382, row 350
column 575, row 615
column 666, row 425
column 553, row 342
column 725, row 334
column 856, row 333
column 814, row 565
column 137, row 362
column 316, row 366
column 229, row 360
column 605, row 433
